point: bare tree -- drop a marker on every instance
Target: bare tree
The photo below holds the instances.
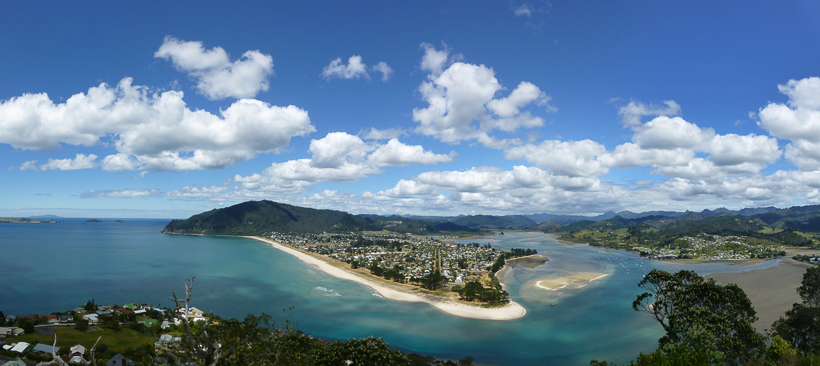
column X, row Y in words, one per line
column 202, row 348
column 57, row 361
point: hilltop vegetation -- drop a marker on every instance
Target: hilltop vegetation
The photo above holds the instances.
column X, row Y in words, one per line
column 263, row 217
column 260, row 217
column 763, row 228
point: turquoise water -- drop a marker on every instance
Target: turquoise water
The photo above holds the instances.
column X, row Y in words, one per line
column 56, row 267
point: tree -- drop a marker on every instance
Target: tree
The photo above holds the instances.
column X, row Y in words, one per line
column 58, row 361
column 801, row 324
column 692, row 310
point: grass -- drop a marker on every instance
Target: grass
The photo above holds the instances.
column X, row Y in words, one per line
column 68, row 337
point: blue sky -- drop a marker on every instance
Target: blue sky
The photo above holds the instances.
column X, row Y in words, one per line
column 433, row 107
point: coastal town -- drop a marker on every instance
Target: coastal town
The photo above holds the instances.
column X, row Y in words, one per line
column 29, row 339
column 412, row 256
column 700, row 247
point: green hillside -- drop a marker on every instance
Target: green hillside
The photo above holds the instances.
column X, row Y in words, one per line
column 260, row 217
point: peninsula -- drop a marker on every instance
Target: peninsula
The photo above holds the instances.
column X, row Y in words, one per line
column 397, row 292
column 399, row 258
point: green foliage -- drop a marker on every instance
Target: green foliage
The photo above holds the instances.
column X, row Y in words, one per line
column 488, row 222
column 433, row 281
column 492, row 295
column 700, row 317
column 261, row 217
column 800, row 326
column 780, row 352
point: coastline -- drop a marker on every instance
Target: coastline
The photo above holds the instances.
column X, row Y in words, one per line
column 511, row 311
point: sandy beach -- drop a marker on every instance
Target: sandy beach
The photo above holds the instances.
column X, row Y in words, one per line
column 511, row 311
column 772, row 290
column 575, row 280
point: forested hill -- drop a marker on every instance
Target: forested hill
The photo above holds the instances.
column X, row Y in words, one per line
column 260, row 217
column 794, row 226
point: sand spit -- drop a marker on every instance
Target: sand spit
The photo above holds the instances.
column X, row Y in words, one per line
column 511, row 311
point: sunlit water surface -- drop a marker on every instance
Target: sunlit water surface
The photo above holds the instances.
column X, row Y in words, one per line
column 55, row 267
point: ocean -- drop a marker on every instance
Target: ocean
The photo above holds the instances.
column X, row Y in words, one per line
column 47, row 268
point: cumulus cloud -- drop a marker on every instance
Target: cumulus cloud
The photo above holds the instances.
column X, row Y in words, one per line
column 384, row 69
column 336, row 149
column 570, row 158
column 462, row 103
column 797, row 121
column 671, row 133
column 395, row 153
column 355, row 69
column 81, row 161
column 337, row 157
column 732, row 149
column 121, row 193
column 216, row 76
column 387, row 134
column 151, row 131
column 28, row 165
column 632, row 113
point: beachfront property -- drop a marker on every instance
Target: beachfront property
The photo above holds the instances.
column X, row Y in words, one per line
column 415, row 256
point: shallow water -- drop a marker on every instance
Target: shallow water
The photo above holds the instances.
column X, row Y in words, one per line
column 55, row 267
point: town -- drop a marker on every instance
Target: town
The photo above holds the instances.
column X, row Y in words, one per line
column 120, row 327
column 412, row 257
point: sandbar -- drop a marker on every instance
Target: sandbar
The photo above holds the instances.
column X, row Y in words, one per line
column 511, row 311
column 530, row 261
column 772, row 290
column 575, row 280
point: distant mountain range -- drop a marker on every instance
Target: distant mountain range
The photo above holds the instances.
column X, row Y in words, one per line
column 260, row 217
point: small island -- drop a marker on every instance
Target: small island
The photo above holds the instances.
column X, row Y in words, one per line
column 23, row 220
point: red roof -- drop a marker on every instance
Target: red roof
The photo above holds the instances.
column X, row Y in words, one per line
column 125, row 311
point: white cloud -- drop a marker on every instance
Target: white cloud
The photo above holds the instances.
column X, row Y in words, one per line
column 732, row 149
column 570, row 158
column 395, row 153
column 336, row 149
column 119, row 162
column 354, row 69
column 121, row 193
column 28, row 165
column 434, row 60
column 377, row 134
column 384, row 69
column 523, row 10
column 338, row 157
column 217, row 77
column 462, row 105
column 80, row 161
column 198, row 192
column 632, row 113
column 629, row 155
column 672, row 133
column 152, row 131
column 799, row 121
